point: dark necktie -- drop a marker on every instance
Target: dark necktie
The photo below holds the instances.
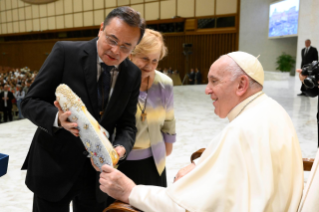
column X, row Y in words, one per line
column 104, row 85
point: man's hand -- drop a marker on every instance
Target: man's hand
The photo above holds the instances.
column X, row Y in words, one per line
column 64, row 122
column 120, row 151
column 184, row 171
column 116, row 184
column 301, row 77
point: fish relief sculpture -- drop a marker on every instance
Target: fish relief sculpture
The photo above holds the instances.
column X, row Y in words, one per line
column 93, row 136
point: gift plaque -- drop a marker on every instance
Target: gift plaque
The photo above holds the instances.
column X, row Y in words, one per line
column 93, row 136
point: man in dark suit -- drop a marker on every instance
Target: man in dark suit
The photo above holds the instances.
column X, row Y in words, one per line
column 308, row 55
column 6, row 103
column 58, row 169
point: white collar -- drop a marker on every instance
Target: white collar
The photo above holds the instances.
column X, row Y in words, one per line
column 242, row 105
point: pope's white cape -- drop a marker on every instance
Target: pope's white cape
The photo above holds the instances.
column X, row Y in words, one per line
column 254, row 164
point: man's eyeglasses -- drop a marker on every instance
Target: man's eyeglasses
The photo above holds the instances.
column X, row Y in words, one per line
column 114, row 43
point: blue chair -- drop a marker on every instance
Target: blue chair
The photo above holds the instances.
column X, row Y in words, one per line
column 4, row 160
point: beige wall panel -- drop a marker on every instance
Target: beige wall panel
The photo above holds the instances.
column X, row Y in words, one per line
column 98, row 4
column 3, row 17
column 168, row 9
column 78, row 20
column 22, row 26
column 98, row 17
column 185, row 8
column 51, row 9
column 15, row 15
column 43, row 10
column 136, row 1
column 123, row 2
column 51, row 23
column 28, row 12
column 226, row 7
column 107, row 11
column 9, row 15
column 4, row 28
column 28, row 24
column 68, row 7
column 77, row 6
column 59, row 7
column 87, row 5
column 21, row 3
column 205, row 7
column 14, row 5
column 59, row 22
column 68, row 21
column 36, row 24
column 21, row 13
column 88, row 18
column 150, row 0
column 35, row 11
column 8, row 5
column 139, row 8
column 16, row 27
column 43, row 24
column 151, row 11
column 10, row 27
column 110, row 3
column 2, row 6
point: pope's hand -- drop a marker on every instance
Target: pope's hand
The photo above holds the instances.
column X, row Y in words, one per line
column 184, row 171
column 301, row 77
column 116, row 184
column 64, row 122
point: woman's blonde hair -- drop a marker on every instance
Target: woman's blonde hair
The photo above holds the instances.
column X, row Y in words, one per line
column 151, row 42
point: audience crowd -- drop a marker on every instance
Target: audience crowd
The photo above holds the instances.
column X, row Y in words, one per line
column 14, row 84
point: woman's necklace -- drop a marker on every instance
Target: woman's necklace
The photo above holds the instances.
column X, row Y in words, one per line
column 144, row 114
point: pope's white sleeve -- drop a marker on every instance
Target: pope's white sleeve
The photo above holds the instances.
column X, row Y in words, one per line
column 153, row 199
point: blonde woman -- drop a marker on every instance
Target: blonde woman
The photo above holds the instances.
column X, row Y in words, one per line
column 155, row 119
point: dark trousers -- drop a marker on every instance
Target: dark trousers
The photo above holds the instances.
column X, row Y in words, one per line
column 7, row 113
column 82, row 195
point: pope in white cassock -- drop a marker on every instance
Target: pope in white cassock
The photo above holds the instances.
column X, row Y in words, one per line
column 254, row 164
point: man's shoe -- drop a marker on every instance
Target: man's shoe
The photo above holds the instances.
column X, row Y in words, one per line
column 301, row 94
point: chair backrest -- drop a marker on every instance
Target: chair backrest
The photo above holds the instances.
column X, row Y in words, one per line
column 310, row 196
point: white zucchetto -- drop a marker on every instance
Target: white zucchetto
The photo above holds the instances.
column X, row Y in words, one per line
column 250, row 65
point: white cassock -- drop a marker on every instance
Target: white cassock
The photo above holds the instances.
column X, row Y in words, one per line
column 253, row 165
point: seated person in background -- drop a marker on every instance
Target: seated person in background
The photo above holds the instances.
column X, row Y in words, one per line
column 253, row 164
column 155, row 121
column 198, row 77
column 191, row 77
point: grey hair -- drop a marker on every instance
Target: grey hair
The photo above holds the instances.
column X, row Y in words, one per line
column 236, row 71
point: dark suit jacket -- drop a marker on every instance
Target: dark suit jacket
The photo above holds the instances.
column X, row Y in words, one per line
column 311, row 55
column 9, row 101
column 56, row 158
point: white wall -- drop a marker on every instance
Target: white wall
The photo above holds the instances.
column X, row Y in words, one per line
column 308, row 25
column 253, row 36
